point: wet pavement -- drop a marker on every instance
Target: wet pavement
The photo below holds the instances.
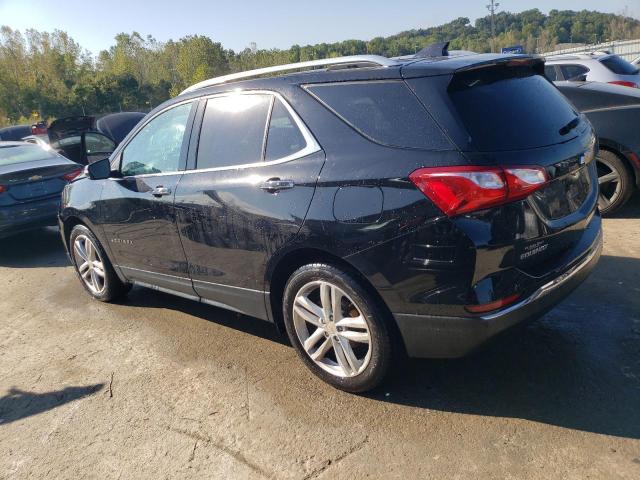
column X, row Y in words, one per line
column 161, row 387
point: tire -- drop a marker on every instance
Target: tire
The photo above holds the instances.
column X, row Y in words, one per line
column 353, row 348
column 97, row 276
column 615, row 182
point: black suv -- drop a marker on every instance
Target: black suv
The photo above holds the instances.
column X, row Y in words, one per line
column 369, row 208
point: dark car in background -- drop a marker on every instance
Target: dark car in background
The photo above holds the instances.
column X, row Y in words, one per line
column 614, row 112
column 85, row 139
column 367, row 208
column 14, row 133
column 31, row 180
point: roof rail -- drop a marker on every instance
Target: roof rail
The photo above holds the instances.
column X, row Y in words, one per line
column 352, row 61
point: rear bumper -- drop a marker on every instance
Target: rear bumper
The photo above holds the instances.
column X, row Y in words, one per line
column 450, row 337
column 27, row 216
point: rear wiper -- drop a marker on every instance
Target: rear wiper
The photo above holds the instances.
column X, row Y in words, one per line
column 570, row 126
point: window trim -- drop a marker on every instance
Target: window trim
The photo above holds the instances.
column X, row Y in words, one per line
column 117, row 154
column 572, row 65
column 312, row 146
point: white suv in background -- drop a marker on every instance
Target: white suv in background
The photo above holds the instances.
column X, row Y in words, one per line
column 592, row 67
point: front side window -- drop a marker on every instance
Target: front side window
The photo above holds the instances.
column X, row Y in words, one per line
column 574, row 72
column 98, row 143
column 157, row 147
column 233, row 130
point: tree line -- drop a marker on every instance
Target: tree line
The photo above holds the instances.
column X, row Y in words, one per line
column 44, row 75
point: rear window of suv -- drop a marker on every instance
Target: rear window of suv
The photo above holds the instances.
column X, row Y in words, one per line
column 510, row 108
column 619, row 66
column 386, row 112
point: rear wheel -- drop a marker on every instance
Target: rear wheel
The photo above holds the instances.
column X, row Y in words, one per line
column 616, row 184
column 337, row 327
column 93, row 266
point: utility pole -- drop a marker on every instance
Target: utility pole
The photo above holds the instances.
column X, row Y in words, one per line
column 492, row 8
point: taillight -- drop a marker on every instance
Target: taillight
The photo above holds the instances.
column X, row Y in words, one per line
column 457, row 190
column 3, row 189
column 624, row 84
column 72, row 174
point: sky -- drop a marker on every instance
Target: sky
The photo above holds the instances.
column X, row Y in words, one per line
column 269, row 23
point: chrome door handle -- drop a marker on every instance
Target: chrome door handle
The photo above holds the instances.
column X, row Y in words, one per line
column 160, row 191
column 275, row 184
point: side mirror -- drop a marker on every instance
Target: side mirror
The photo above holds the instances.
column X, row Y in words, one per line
column 99, row 170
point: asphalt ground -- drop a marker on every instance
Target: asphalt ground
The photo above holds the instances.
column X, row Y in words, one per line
column 161, row 387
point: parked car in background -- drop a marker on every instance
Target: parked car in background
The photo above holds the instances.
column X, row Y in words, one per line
column 614, row 112
column 332, row 203
column 39, row 128
column 593, row 67
column 85, row 139
column 31, row 180
column 14, row 133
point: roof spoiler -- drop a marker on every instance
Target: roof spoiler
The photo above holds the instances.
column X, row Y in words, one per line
column 438, row 49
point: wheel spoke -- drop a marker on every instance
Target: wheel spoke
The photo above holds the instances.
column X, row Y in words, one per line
column 336, row 303
column 99, row 269
column 90, row 250
column 83, row 267
column 325, row 299
column 82, row 253
column 309, row 306
column 341, row 356
column 604, row 201
column 355, row 336
column 94, row 280
column 352, row 322
column 321, row 350
column 306, row 315
column 313, row 339
column 353, row 361
column 609, row 177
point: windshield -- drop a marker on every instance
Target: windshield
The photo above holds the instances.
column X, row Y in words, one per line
column 12, row 154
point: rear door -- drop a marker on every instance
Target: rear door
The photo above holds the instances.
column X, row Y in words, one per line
column 137, row 209
column 254, row 171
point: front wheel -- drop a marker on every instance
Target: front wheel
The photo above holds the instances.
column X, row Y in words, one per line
column 93, row 266
column 337, row 327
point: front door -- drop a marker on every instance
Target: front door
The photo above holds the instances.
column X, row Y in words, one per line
column 255, row 174
column 137, row 209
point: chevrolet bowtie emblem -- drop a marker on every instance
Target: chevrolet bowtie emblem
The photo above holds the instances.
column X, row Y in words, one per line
column 35, row 177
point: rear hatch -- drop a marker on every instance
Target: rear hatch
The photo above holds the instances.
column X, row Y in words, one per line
column 503, row 113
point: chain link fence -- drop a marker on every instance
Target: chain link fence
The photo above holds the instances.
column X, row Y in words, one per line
column 627, row 49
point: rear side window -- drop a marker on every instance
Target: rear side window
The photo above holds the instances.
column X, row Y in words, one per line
column 510, row 108
column 573, row 72
column 619, row 66
column 233, row 130
column 284, row 138
column 386, row 112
